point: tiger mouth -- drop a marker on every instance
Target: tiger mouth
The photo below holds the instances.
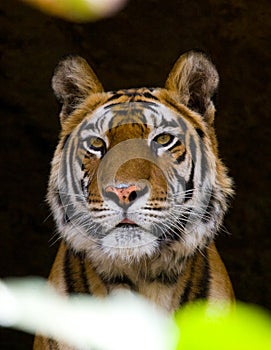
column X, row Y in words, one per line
column 127, row 221
column 126, row 225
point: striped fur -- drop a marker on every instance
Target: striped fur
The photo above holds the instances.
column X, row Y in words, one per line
column 137, row 189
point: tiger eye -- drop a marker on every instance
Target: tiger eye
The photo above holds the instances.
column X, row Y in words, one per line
column 163, row 139
column 96, row 143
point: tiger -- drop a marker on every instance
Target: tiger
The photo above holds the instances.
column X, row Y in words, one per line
column 137, row 189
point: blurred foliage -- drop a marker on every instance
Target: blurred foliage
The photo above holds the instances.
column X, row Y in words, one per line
column 78, row 10
column 26, row 303
column 224, row 327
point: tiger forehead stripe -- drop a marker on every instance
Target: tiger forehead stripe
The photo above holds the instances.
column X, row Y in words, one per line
column 131, row 95
column 137, row 112
column 154, row 114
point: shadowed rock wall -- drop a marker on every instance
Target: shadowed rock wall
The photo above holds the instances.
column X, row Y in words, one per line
column 137, row 47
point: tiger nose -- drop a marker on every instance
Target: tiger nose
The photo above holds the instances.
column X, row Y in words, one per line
column 124, row 194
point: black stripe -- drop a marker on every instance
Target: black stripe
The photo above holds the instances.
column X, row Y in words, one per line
column 176, row 144
column 179, row 178
column 68, row 275
column 181, row 158
column 149, row 95
column 183, row 127
column 69, row 213
column 114, row 97
column 75, row 283
column 176, row 109
column 200, row 133
column 206, row 217
column 189, row 185
column 83, row 276
column 175, row 233
column 185, row 297
column 113, row 105
column 204, row 162
column 58, row 197
column 64, row 141
column 66, row 219
column 129, row 94
column 204, row 281
column 118, row 279
column 201, row 284
column 166, row 278
column 69, row 167
column 193, row 148
column 182, row 221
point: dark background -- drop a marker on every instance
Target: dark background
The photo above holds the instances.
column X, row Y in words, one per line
column 135, row 48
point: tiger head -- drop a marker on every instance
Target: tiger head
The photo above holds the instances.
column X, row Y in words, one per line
column 136, row 171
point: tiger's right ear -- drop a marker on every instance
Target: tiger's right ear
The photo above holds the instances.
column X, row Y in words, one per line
column 72, row 82
column 194, row 80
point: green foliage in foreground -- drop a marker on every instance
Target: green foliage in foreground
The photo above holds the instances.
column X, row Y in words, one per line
column 111, row 323
column 218, row 327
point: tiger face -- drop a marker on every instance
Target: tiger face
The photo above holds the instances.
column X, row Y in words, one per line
column 136, row 171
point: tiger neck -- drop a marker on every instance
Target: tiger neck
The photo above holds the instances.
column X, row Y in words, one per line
column 156, row 279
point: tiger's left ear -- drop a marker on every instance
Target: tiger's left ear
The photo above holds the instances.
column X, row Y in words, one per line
column 194, row 79
column 73, row 81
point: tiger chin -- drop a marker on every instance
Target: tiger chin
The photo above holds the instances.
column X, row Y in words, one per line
column 137, row 189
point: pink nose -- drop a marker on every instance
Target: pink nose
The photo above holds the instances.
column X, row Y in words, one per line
column 125, row 194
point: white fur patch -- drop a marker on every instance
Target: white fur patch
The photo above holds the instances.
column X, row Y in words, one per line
column 129, row 243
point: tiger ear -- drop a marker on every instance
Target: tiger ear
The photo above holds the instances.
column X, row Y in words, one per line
column 72, row 82
column 195, row 79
